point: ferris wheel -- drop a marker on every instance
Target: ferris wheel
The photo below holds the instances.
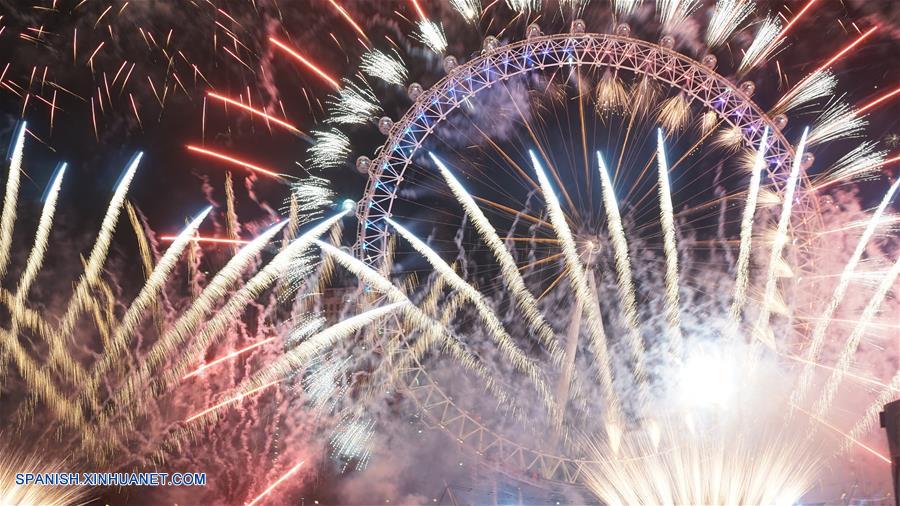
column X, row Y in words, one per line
column 393, row 178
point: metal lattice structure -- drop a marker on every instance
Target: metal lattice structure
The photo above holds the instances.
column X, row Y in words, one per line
column 407, row 135
column 528, row 464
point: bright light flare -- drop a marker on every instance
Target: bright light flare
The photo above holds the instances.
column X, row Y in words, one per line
column 235, row 161
column 707, row 379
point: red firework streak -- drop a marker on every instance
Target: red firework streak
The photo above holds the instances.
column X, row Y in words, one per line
column 235, row 161
column 846, row 49
column 257, row 112
column 309, row 64
column 878, row 100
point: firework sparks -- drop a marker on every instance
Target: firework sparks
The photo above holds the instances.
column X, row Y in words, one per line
column 764, row 44
column 852, row 344
column 330, row 149
column 470, row 10
column 623, row 262
column 353, row 105
column 849, row 47
column 673, row 13
column 387, row 67
column 231, row 400
column 432, row 35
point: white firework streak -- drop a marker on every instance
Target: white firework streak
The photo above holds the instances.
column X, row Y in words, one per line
column 673, row 12
column 225, row 316
column 470, row 10
column 387, row 67
column 501, row 338
column 579, row 281
column 432, row 329
column 623, row 262
column 852, row 344
column 667, row 221
column 10, row 199
column 727, row 17
column 624, row 7
column 315, row 345
column 839, row 120
column 743, row 264
column 778, row 244
column 124, row 331
column 812, row 87
column 354, row 104
column 818, row 335
column 330, row 149
column 36, row 257
column 96, row 259
column 860, row 162
column 508, row 269
column 432, row 35
column 183, row 328
column 764, row 44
